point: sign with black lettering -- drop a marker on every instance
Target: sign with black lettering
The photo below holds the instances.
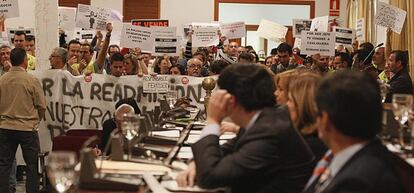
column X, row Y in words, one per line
column 9, row 8
column 90, row 17
column 137, row 37
column 390, row 16
column 344, row 36
column 155, row 84
column 86, row 102
column 314, row 42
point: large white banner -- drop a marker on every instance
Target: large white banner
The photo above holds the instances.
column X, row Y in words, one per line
column 390, row 16
column 87, row 101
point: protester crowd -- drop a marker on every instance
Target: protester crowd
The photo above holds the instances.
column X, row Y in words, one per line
column 333, row 102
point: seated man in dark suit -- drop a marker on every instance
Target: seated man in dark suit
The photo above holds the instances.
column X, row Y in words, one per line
column 350, row 112
column 400, row 81
column 268, row 154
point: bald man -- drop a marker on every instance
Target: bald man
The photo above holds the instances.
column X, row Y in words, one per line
column 194, row 67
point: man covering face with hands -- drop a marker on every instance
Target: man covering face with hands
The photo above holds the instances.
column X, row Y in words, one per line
column 259, row 159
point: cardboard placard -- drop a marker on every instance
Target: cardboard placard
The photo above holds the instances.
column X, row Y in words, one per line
column 90, row 17
column 314, row 42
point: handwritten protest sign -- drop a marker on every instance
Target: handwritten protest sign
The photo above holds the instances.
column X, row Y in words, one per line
column 203, row 37
column 318, row 43
column 390, row 16
column 320, row 24
column 10, row 8
column 233, row 30
column 155, row 84
column 137, row 37
column 300, row 25
column 271, row 30
column 344, row 36
column 360, row 30
column 90, row 17
column 150, row 22
column 195, row 25
column 67, row 17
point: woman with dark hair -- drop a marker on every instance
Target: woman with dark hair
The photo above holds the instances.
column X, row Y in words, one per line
column 177, row 70
column 162, row 65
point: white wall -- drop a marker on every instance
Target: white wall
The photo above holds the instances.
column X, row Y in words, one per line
column 180, row 12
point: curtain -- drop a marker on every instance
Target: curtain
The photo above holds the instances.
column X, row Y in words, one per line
column 405, row 40
column 357, row 9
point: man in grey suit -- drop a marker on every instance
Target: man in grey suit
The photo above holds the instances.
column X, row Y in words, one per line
column 350, row 109
column 268, row 154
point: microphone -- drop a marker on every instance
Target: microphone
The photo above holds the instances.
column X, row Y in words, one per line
column 372, row 51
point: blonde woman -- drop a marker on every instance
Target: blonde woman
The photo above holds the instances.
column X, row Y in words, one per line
column 134, row 65
column 282, row 81
column 303, row 111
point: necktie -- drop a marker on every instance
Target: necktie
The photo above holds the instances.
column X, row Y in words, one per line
column 320, row 169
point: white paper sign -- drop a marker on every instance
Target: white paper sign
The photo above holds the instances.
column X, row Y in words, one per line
column 155, row 84
column 204, row 37
column 271, row 30
column 67, row 17
column 195, row 25
column 390, row 16
column 10, row 8
column 314, row 42
column 90, row 17
column 169, row 46
column 320, row 24
column 233, row 30
column 344, row 36
column 133, row 36
column 298, row 43
column 360, row 30
column 158, row 31
column 300, row 25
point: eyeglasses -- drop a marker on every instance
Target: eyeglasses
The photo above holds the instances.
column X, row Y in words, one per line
column 233, row 46
column 194, row 66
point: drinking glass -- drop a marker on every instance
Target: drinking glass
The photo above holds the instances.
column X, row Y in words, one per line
column 171, row 97
column 61, row 170
column 129, row 128
column 384, row 88
column 401, row 107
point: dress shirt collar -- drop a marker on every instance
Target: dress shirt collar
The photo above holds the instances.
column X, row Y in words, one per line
column 253, row 120
column 343, row 156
